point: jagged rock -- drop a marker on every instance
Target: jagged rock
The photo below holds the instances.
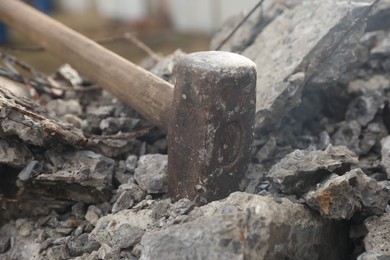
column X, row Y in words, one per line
column 253, row 227
column 341, row 197
column 151, row 173
column 60, row 107
column 14, row 154
column 364, row 108
column 348, row 134
column 124, row 201
column 301, row 170
column 385, row 142
column 378, row 237
column 80, row 245
column 122, row 229
column 131, row 163
column 290, row 56
column 79, row 176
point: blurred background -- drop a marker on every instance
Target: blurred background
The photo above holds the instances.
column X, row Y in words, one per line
column 164, row 25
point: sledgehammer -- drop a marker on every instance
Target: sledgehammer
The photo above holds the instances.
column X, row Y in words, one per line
column 209, row 114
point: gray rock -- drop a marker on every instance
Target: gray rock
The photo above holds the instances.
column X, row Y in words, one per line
column 113, row 125
column 341, row 197
column 93, row 214
column 114, row 147
column 124, row 201
column 127, row 236
column 80, row 245
column 385, row 152
column 301, row 170
column 364, row 108
column 58, row 252
column 60, row 107
column 151, row 173
column 348, row 134
column 137, row 194
column 378, row 237
column 258, row 228
column 289, row 56
column 131, row 163
column 14, row 154
column 79, row 176
column 78, row 210
column 122, row 229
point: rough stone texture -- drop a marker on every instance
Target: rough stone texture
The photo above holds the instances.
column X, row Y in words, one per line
column 378, row 237
column 341, row 197
column 372, row 256
column 385, row 152
column 301, row 170
column 110, row 229
column 14, row 154
column 245, row 226
column 79, row 176
column 300, row 51
column 80, row 245
column 61, row 107
column 124, row 201
column 151, row 173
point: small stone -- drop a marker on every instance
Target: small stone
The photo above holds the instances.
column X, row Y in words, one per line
column 91, row 216
column 348, row 134
column 58, row 252
column 124, row 201
column 26, row 229
column 60, row 107
column 127, row 236
column 137, row 194
column 78, row 210
column 14, row 154
column 301, row 170
column 364, row 108
column 161, row 209
column 151, row 173
column 78, row 246
column 131, row 163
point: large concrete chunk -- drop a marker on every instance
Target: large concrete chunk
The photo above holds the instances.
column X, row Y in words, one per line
column 79, row 176
column 301, row 170
column 310, row 37
column 342, row 196
column 378, row 237
column 245, row 226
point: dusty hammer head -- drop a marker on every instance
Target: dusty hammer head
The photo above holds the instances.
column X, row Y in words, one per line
column 211, row 125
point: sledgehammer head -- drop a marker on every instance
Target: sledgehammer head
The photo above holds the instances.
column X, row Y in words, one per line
column 211, row 125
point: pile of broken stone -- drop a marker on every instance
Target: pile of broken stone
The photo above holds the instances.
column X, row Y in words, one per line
column 318, row 185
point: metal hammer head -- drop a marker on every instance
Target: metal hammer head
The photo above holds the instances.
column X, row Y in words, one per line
column 211, row 125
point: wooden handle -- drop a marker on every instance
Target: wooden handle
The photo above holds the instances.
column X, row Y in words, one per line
column 147, row 94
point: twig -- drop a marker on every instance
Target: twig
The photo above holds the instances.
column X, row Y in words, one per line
column 121, row 136
column 142, row 46
column 239, row 25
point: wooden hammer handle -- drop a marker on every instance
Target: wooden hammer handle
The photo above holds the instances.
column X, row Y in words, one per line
column 147, row 94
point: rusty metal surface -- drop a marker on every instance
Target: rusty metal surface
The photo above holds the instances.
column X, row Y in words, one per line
column 211, row 125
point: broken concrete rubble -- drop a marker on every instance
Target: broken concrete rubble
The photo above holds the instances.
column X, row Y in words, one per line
column 249, row 226
column 315, row 112
column 151, row 173
column 378, row 237
column 80, row 176
column 300, row 170
column 341, row 197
